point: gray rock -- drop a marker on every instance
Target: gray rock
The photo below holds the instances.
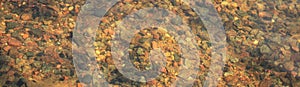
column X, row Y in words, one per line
column 264, row 49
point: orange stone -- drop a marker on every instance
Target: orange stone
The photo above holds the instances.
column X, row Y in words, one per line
column 58, row 66
column 66, row 77
column 163, row 70
column 7, row 48
column 25, row 36
column 59, row 31
column 105, row 20
column 154, row 45
column 127, row 0
column 14, row 42
column 79, row 85
column 26, row 17
column 111, row 32
column 46, row 37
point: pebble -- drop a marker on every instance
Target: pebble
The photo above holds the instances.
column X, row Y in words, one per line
column 11, row 25
column 14, row 42
column 25, row 36
column 26, row 16
column 264, row 49
column 70, row 8
column 7, row 48
column 154, row 45
column 255, row 42
column 37, row 32
column 289, row 65
column 234, row 4
column 294, row 45
column 29, row 54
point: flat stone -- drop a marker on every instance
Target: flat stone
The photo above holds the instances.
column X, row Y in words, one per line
column 14, row 42
column 289, row 65
column 264, row 49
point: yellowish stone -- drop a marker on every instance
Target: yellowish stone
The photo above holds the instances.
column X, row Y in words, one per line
column 256, row 42
column 224, row 3
column 98, row 52
column 71, row 8
column 235, row 18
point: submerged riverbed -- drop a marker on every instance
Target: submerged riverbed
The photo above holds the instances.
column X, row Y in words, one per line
column 262, row 42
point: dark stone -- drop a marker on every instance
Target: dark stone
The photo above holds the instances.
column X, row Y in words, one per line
column 11, row 25
column 4, row 58
column 29, row 54
column 142, row 40
column 176, row 57
column 62, row 55
column 72, row 72
column 43, row 1
column 255, row 52
column 21, row 82
column 248, row 67
column 40, row 54
column 17, row 35
column 36, row 32
column 7, row 17
column 5, row 68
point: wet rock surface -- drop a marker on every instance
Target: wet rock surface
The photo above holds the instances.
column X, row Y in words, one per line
column 36, row 43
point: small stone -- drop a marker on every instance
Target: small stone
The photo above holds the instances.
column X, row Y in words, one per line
column 98, row 52
column 154, row 45
column 29, row 54
column 25, row 36
column 176, row 57
column 7, row 48
column 163, row 70
column 264, row 14
column 289, row 65
column 255, row 42
column 11, row 25
column 26, row 16
column 60, row 31
column 70, row 8
column 71, row 25
column 294, row 45
column 7, row 17
column 156, row 36
column 265, row 83
column 14, row 42
column 58, row 66
column 260, row 6
column 79, row 85
column 225, row 3
column 142, row 40
column 233, row 4
column 228, row 74
column 264, row 49
column 140, row 51
column 36, row 32
column 127, row 1
column 22, row 82
column 142, row 79
column 99, row 58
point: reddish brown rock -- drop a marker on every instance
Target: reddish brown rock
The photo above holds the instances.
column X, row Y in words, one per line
column 14, row 42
